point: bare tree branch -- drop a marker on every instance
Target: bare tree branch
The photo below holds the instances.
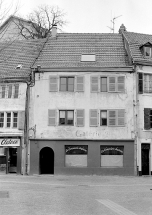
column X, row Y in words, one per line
column 41, row 21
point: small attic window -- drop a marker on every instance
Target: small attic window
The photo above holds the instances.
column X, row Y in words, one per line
column 19, row 66
column 146, row 49
column 88, row 57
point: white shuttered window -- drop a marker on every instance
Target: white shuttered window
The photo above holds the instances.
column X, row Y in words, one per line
column 51, row 117
column 53, row 84
column 79, row 83
column 116, row 117
column 94, row 83
column 80, row 118
column 93, row 118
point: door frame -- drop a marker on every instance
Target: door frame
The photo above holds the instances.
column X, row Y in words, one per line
column 145, row 146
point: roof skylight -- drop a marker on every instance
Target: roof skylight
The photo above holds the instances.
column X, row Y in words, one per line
column 88, row 57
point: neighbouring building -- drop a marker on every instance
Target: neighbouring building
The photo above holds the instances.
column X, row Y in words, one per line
column 14, row 28
column 15, row 82
column 82, row 107
column 139, row 49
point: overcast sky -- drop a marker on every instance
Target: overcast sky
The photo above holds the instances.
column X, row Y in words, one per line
column 93, row 16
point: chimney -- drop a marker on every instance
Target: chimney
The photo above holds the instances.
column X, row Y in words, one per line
column 122, row 28
column 54, row 31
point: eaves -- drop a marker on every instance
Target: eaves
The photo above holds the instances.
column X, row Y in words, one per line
column 87, row 69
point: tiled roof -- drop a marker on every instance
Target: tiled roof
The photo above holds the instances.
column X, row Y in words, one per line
column 136, row 40
column 18, row 52
column 65, row 50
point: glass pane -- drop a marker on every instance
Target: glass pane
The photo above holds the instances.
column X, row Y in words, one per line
column 70, row 88
column 62, row 114
column 16, row 91
column 3, row 91
column 9, row 91
column 8, row 119
column 71, row 84
column 147, row 51
column 63, row 84
column 62, row 118
column 70, row 114
column 103, row 114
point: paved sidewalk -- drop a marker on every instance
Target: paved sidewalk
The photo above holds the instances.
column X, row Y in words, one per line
column 74, row 195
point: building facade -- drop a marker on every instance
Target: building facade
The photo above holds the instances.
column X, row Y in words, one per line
column 15, row 82
column 81, row 107
column 138, row 47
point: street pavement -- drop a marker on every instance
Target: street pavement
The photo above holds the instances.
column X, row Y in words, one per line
column 75, row 195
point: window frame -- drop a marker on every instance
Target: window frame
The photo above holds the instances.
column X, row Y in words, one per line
column 67, row 83
column 66, row 118
column 3, row 119
column 96, row 84
column 8, row 120
column 150, row 54
column 6, row 92
column 141, row 83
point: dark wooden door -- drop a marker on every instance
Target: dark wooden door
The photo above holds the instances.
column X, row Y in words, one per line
column 46, row 161
column 145, row 161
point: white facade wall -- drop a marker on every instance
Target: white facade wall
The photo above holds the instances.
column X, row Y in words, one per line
column 144, row 136
column 14, row 104
column 42, row 100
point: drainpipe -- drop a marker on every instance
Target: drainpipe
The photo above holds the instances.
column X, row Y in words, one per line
column 136, row 123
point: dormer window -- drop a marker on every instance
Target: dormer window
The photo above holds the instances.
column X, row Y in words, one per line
column 146, row 49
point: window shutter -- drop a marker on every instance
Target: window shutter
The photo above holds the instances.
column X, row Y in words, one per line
column 21, row 120
column 80, row 118
column 112, row 84
column 121, row 117
column 146, row 118
column 112, row 118
column 53, row 85
column 80, row 83
column 51, row 117
column 121, row 83
column 93, row 117
column 94, row 84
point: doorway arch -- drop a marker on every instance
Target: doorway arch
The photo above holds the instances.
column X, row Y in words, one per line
column 46, row 161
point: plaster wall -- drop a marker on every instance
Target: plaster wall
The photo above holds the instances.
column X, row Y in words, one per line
column 42, row 100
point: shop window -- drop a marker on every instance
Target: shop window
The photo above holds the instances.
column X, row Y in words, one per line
column 108, row 84
column 76, row 155
column 112, row 156
column 1, row 119
column 66, row 117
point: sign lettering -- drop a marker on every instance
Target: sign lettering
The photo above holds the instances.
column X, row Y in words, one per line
column 9, row 142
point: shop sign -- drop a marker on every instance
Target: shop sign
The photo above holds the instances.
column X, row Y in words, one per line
column 9, row 142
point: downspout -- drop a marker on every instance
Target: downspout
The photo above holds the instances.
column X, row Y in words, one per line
column 27, row 105
column 136, row 113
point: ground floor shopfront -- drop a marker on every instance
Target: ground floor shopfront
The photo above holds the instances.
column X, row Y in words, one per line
column 144, row 157
column 10, row 155
column 100, row 157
